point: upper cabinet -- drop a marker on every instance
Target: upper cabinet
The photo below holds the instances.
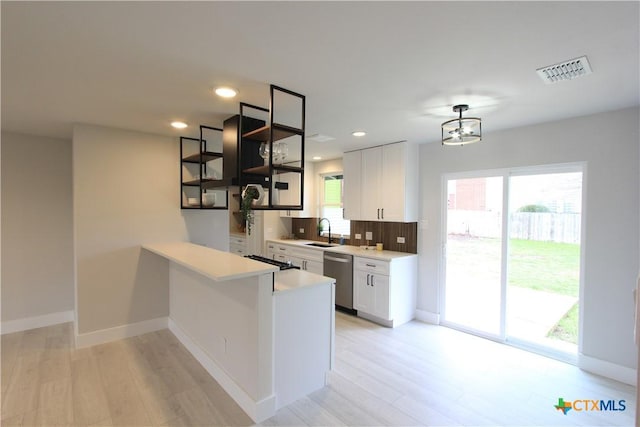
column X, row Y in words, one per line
column 201, row 168
column 273, row 155
column 381, row 183
column 352, row 176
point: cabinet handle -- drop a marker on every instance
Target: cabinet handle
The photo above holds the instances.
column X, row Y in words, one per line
column 372, row 280
column 342, row 213
column 378, row 213
column 283, row 249
column 368, row 279
column 370, row 265
column 382, row 213
column 305, row 264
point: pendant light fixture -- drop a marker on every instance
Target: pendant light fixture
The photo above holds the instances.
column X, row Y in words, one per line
column 461, row 130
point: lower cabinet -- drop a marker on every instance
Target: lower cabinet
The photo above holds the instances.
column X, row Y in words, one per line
column 238, row 244
column 306, row 259
column 385, row 291
column 371, row 293
column 310, row 265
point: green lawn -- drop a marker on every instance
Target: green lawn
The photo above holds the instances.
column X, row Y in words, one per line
column 545, row 266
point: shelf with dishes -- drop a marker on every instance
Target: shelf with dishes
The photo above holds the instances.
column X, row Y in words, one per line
column 201, row 165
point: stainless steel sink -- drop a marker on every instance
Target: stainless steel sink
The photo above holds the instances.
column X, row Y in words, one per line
column 320, row 245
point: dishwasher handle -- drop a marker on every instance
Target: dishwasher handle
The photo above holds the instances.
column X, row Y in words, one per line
column 331, row 258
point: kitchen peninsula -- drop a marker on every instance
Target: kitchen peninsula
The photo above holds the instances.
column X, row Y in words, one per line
column 265, row 335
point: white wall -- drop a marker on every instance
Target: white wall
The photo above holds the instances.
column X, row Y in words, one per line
column 126, row 192
column 327, row 166
column 608, row 143
column 207, row 227
column 37, row 243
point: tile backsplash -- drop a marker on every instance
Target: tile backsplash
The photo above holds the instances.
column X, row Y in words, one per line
column 382, row 232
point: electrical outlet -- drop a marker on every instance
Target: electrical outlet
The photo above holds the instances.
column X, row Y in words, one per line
column 358, row 236
column 301, row 230
column 400, row 239
column 368, row 235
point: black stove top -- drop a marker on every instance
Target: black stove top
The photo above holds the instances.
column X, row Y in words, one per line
column 279, row 264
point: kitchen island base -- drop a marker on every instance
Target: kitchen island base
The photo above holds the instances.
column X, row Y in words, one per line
column 267, row 337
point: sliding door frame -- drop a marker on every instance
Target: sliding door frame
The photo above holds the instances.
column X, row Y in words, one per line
column 506, row 174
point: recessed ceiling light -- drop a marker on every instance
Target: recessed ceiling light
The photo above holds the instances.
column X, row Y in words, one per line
column 317, row 158
column 226, row 92
column 179, row 125
column 359, row 133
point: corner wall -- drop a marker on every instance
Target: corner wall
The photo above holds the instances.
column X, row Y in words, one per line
column 125, row 192
column 608, row 143
column 37, row 227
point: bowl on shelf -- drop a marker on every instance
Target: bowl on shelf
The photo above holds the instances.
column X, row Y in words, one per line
column 208, row 199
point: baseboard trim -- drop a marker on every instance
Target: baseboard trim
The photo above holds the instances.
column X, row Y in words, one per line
column 34, row 322
column 427, row 317
column 608, row 369
column 120, row 332
column 257, row 410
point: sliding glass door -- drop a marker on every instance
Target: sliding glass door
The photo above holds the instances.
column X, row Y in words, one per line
column 511, row 256
column 543, row 281
column 473, row 245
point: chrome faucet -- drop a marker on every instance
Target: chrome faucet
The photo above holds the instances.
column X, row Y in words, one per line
column 328, row 222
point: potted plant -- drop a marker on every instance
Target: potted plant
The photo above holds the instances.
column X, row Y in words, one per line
column 251, row 195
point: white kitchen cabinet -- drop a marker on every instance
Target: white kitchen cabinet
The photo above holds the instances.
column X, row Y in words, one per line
column 277, row 251
column 371, row 293
column 306, row 264
column 372, row 184
column 385, row 291
column 307, row 259
column 238, row 244
column 381, row 183
column 352, row 171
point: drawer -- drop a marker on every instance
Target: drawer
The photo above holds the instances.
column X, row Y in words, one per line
column 237, row 240
column 371, row 265
column 308, row 254
column 237, row 249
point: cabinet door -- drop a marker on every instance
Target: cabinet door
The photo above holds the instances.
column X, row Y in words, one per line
column 363, row 292
column 380, row 286
column 316, row 267
column 371, row 184
column 392, row 188
column 352, row 175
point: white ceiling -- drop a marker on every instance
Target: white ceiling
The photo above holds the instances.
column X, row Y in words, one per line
column 393, row 69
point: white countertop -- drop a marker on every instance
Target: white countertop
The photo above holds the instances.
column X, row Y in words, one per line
column 212, row 263
column 289, row 280
column 347, row 249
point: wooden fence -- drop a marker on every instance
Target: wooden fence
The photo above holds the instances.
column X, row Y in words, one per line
column 541, row 226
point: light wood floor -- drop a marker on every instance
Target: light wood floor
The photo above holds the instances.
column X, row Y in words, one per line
column 416, row 374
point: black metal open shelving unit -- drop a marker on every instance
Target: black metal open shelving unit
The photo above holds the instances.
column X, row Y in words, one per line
column 253, row 169
column 204, row 183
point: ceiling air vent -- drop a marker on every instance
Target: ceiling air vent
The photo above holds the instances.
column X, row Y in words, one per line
column 566, row 70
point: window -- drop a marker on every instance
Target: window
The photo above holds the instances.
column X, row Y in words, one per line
column 331, row 205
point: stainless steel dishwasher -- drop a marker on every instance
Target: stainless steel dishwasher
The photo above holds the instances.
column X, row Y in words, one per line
column 340, row 267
